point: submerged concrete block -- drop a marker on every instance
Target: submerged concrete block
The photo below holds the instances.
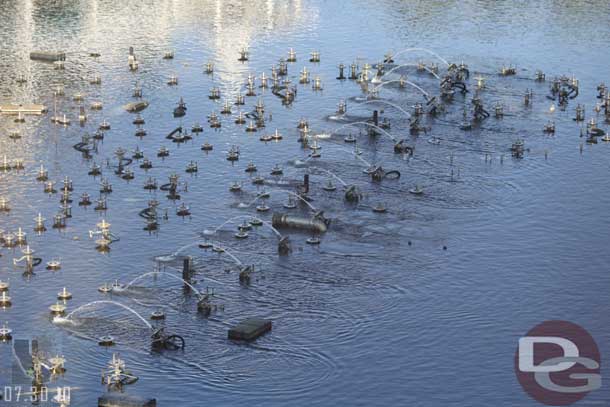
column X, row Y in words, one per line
column 250, row 329
column 124, row 400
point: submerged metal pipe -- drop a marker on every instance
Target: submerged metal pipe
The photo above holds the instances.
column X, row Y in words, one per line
column 316, row 224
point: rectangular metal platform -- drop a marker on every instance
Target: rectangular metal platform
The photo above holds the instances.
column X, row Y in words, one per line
column 250, row 329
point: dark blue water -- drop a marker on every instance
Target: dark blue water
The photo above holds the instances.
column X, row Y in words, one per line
column 365, row 318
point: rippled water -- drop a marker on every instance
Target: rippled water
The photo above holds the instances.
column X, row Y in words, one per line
column 379, row 313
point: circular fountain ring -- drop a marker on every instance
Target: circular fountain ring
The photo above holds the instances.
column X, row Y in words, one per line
column 242, row 234
column 57, row 309
column 105, row 288
column 313, row 241
column 380, row 208
column 157, row 315
column 106, row 341
column 4, row 286
column 64, row 295
column 5, row 300
column 262, row 208
column 5, row 334
column 256, row 222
